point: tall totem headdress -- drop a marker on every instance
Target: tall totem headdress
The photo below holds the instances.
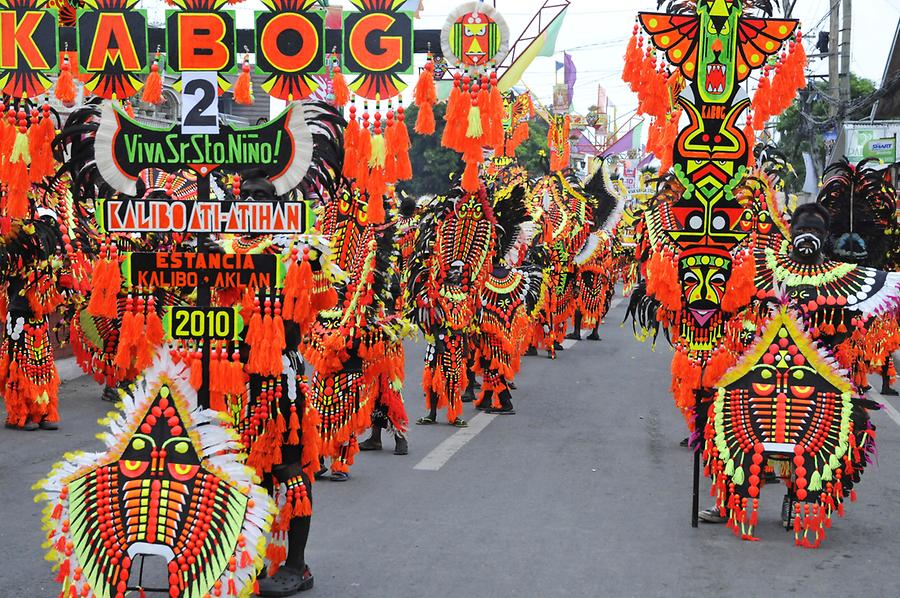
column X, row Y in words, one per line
column 697, row 56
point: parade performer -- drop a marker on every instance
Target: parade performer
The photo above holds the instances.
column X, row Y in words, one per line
column 861, row 202
column 389, row 412
column 511, row 293
column 29, row 382
column 272, row 412
column 44, row 259
column 448, row 270
column 451, row 264
column 693, row 256
column 596, row 262
column 355, row 348
column 563, row 217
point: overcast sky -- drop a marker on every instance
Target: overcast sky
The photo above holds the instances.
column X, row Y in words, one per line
column 596, row 32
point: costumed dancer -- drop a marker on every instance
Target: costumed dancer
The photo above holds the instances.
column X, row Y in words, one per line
column 562, row 217
column 861, row 201
column 355, row 348
column 448, row 272
column 508, row 301
column 389, row 412
column 104, row 347
column 596, row 262
column 811, row 314
column 43, row 262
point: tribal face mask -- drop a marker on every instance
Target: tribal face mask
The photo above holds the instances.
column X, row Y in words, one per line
column 345, row 223
column 704, row 277
column 785, row 400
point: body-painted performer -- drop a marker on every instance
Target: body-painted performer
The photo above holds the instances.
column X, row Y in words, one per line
column 273, row 413
column 450, row 265
column 861, row 202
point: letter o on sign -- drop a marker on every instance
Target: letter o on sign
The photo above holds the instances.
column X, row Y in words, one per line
column 286, row 32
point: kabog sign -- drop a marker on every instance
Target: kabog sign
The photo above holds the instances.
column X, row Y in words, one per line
column 112, row 41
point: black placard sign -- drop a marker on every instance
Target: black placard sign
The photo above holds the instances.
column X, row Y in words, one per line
column 282, row 148
column 183, row 322
column 187, row 270
column 129, row 215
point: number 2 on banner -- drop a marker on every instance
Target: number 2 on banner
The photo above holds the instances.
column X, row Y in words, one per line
column 199, row 103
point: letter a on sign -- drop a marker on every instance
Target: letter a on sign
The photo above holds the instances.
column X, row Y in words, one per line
column 199, row 103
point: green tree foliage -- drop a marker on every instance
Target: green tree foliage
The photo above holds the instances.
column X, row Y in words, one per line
column 434, row 166
column 799, row 133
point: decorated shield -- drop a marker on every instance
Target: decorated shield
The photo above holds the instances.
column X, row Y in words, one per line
column 474, row 36
column 786, row 401
column 170, row 485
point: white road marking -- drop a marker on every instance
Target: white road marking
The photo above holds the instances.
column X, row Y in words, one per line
column 888, row 408
column 616, row 303
column 442, row 453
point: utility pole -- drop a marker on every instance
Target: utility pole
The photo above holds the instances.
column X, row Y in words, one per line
column 845, row 55
column 834, row 74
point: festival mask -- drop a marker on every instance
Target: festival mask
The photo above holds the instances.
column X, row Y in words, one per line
column 718, row 42
column 345, row 223
column 704, row 277
column 160, row 490
column 474, row 36
column 785, row 395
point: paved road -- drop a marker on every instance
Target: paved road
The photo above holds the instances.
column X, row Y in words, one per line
column 584, row 493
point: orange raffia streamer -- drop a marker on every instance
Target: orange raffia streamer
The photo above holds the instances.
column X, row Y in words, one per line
column 494, row 106
column 339, row 86
column 762, row 100
column 18, row 181
column 153, row 87
column 402, row 145
column 40, row 140
column 376, row 184
column 351, row 145
column 633, row 58
column 65, row 85
column 363, row 152
column 243, row 88
column 426, row 98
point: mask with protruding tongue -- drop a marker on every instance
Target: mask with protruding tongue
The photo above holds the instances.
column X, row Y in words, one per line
column 702, row 316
